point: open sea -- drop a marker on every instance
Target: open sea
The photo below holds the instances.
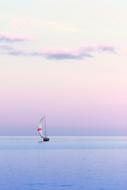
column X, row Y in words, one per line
column 63, row 163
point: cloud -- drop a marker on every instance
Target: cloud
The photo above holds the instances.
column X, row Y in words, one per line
column 79, row 54
column 109, row 49
column 6, row 48
column 99, row 49
column 62, row 55
column 50, row 55
column 11, row 39
column 82, row 53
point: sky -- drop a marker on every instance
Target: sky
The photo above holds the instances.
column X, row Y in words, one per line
column 67, row 59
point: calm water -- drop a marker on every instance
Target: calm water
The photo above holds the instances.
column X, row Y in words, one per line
column 64, row 163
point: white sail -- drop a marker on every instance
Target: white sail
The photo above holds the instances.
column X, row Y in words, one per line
column 41, row 127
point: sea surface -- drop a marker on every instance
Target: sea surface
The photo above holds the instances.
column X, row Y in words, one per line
column 63, row 163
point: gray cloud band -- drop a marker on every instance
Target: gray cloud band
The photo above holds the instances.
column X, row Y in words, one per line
column 58, row 55
column 6, row 39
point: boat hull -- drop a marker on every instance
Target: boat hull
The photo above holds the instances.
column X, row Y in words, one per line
column 46, row 139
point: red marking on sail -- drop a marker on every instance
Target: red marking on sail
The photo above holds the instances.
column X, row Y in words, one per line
column 39, row 129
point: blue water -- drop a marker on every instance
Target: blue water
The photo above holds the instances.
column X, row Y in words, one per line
column 64, row 163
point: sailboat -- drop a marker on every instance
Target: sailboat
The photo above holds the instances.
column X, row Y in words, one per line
column 41, row 128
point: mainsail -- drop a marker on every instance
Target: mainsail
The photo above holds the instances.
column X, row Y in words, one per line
column 42, row 129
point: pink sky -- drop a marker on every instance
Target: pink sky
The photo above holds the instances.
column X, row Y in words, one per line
column 69, row 63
